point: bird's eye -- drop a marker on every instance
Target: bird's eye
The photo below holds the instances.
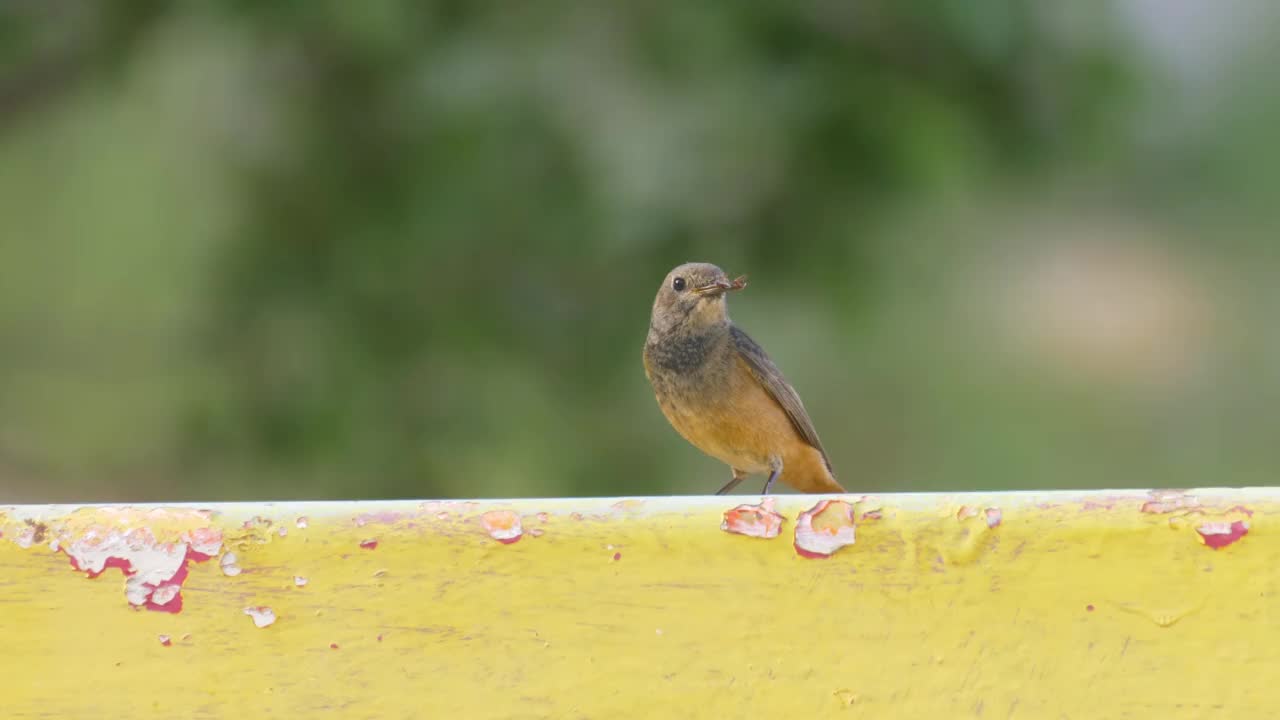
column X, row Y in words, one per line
column 678, row 284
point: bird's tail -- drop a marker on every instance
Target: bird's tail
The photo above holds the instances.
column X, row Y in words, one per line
column 811, row 473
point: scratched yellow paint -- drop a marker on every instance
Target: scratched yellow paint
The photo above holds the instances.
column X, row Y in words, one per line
column 1071, row 605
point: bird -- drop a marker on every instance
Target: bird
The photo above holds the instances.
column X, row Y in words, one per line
column 721, row 391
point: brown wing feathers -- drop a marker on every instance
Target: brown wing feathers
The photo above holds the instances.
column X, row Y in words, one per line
column 771, row 379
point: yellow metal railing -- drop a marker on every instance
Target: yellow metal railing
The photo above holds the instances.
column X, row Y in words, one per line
column 1007, row 605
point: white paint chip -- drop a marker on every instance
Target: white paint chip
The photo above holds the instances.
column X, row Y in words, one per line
column 262, row 616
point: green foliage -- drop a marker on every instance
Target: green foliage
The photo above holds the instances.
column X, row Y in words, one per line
column 408, row 249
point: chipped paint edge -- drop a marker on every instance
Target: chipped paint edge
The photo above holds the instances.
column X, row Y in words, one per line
column 641, row 506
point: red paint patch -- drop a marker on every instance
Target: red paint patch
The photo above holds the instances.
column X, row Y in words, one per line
column 165, row 640
column 168, row 597
column 370, row 544
column 502, row 525
column 379, row 637
column 617, row 556
column 118, row 563
column 333, row 646
column 753, row 520
column 1089, row 607
column 824, row 529
column 1218, row 535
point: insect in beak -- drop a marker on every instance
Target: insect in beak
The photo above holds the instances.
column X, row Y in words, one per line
column 719, row 287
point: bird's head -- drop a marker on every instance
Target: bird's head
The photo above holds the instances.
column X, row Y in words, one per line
column 692, row 296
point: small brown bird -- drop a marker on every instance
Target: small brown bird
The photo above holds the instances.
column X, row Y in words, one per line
column 720, row 390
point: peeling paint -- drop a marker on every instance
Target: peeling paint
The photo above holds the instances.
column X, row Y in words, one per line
column 39, row 530
column 386, row 517
column 302, row 522
column 256, row 522
column 369, row 544
column 537, row 532
column 154, row 571
column 760, row 520
column 262, row 616
column 628, row 505
column 451, row 594
column 228, row 564
column 1167, row 501
column 824, row 529
column 994, row 517
column 502, row 525
column 1218, row 535
column 163, row 596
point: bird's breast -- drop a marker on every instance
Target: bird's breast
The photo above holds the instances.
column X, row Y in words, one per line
column 681, row 354
column 719, row 408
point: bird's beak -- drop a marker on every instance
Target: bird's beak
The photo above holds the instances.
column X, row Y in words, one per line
column 720, row 287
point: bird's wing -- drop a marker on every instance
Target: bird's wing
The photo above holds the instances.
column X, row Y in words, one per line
column 770, row 378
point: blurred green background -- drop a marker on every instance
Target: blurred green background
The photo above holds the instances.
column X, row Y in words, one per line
column 332, row 249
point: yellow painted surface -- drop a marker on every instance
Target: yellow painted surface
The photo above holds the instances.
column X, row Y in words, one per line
column 1072, row 606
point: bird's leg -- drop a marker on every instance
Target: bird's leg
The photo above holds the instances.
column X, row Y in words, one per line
column 773, row 476
column 738, row 476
